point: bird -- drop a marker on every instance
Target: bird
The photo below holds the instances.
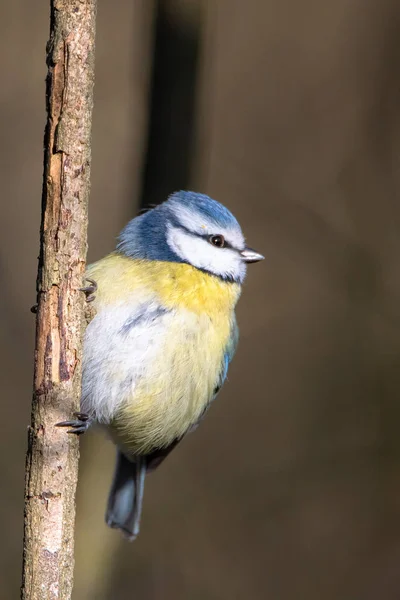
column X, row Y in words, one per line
column 157, row 351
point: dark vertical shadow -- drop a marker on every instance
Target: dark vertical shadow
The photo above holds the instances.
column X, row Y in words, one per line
column 172, row 103
column 167, row 166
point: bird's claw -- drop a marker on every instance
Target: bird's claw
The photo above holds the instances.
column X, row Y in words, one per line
column 79, row 425
column 89, row 290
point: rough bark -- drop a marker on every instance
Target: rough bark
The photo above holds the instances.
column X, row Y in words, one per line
column 52, row 457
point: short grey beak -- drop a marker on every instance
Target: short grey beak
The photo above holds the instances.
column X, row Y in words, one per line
column 251, row 256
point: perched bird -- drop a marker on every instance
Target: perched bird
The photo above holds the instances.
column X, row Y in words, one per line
column 157, row 351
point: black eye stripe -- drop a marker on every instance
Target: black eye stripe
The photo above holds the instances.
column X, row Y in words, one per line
column 226, row 243
column 206, row 237
column 217, row 240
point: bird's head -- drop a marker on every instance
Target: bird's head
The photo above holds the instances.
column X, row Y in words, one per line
column 194, row 229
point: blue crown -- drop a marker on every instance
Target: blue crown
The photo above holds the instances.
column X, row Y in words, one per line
column 145, row 237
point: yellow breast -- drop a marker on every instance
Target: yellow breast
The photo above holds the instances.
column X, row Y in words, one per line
column 175, row 284
column 182, row 377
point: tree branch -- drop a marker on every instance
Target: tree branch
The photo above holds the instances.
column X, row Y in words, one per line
column 52, row 457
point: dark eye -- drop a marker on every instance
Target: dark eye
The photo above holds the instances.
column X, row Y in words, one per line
column 217, row 240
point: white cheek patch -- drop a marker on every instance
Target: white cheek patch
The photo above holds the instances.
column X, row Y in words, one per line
column 201, row 254
column 197, row 223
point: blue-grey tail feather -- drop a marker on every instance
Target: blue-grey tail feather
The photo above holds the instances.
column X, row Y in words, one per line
column 126, row 495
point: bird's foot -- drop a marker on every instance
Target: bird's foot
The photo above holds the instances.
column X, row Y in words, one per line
column 79, row 425
column 89, row 290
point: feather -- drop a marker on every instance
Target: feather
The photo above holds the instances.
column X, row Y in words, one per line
column 124, row 506
column 153, row 363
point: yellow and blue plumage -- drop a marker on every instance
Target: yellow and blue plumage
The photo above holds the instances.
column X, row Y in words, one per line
column 158, row 349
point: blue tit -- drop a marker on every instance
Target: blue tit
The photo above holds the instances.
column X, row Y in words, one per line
column 157, row 351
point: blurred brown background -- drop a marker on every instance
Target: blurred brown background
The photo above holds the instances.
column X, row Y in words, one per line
column 289, row 113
